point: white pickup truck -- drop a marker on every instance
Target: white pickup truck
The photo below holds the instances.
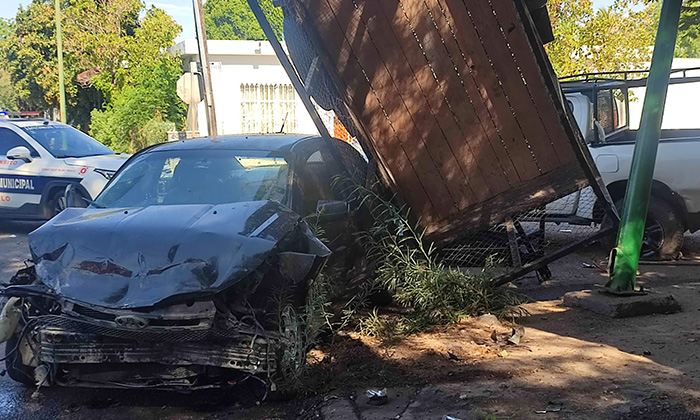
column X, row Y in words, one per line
column 674, row 207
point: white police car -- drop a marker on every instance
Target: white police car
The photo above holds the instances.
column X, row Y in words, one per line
column 40, row 158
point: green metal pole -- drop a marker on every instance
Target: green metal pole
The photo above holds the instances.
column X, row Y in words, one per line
column 59, row 47
column 625, row 257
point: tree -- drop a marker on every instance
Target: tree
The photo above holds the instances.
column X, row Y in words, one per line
column 108, row 39
column 142, row 113
column 8, row 99
column 617, row 37
column 233, row 19
column 111, row 47
column 30, row 56
column 689, row 31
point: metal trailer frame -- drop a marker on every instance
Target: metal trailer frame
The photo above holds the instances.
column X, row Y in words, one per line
column 553, row 89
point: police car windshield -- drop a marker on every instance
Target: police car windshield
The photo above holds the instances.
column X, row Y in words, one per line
column 196, row 177
column 64, row 142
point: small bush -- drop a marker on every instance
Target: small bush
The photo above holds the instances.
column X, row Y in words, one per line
column 406, row 265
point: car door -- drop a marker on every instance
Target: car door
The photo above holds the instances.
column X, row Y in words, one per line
column 20, row 188
column 315, row 175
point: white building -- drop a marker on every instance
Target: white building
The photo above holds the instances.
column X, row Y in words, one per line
column 252, row 93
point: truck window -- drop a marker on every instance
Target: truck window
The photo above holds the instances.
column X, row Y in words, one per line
column 619, row 108
column 612, row 109
column 604, row 112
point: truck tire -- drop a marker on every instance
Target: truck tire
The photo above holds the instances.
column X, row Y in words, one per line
column 663, row 233
column 13, row 363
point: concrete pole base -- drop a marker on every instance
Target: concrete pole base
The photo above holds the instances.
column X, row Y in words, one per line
column 622, row 306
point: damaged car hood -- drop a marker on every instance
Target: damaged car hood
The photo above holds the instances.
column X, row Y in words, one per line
column 140, row 257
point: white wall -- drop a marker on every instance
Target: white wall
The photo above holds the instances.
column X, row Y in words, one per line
column 236, row 63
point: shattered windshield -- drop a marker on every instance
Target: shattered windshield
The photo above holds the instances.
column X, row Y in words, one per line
column 196, row 177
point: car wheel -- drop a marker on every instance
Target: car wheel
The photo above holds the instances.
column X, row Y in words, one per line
column 292, row 351
column 13, row 363
column 57, row 203
column 663, row 232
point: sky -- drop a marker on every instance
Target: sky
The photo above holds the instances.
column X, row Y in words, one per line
column 180, row 10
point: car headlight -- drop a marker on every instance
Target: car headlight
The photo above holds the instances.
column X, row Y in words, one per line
column 105, row 173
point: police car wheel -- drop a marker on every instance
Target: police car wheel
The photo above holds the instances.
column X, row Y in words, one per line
column 58, row 203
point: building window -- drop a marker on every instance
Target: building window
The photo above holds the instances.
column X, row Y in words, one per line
column 268, row 108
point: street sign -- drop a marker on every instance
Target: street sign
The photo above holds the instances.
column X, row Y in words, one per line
column 189, row 88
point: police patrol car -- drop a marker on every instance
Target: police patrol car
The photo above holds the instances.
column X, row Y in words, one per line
column 40, row 158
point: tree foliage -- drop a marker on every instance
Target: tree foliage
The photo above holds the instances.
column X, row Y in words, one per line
column 233, row 19
column 617, row 37
column 111, row 49
column 109, row 38
column 142, row 113
column 8, row 99
column 689, row 32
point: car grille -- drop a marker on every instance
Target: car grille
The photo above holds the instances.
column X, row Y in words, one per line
column 83, row 327
column 91, row 313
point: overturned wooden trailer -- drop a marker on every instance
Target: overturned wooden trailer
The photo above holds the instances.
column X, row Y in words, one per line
column 455, row 100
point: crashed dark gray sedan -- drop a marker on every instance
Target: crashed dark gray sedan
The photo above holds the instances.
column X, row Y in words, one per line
column 188, row 271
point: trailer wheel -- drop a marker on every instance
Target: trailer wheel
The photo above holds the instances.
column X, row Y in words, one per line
column 663, row 232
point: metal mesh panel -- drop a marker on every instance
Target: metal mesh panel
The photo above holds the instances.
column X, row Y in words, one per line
column 533, row 235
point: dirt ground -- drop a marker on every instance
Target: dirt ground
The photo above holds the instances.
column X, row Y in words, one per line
column 569, row 364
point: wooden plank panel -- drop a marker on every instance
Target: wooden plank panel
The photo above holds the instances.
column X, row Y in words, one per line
column 492, row 92
column 470, row 108
column 454, row 104
column 373, row 109
column 410, row 187
column 521, row 198
column 433, row 127
column 509, row 76
column 507, row 17
column 424, row 156
column 400, row 37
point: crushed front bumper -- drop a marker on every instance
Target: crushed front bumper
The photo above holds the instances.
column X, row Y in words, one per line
column 78, row 353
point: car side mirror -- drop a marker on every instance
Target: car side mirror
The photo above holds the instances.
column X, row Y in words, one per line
column 19, row 153
column 332, row 209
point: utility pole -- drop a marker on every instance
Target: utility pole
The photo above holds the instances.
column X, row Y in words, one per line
column 625, row 257
column 206, row 69
column 59, row 47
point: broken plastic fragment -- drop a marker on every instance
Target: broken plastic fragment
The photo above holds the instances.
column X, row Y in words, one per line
column 377, row 396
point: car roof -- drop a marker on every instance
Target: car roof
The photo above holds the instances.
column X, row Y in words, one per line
column 25, row 122
column 281, row 143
